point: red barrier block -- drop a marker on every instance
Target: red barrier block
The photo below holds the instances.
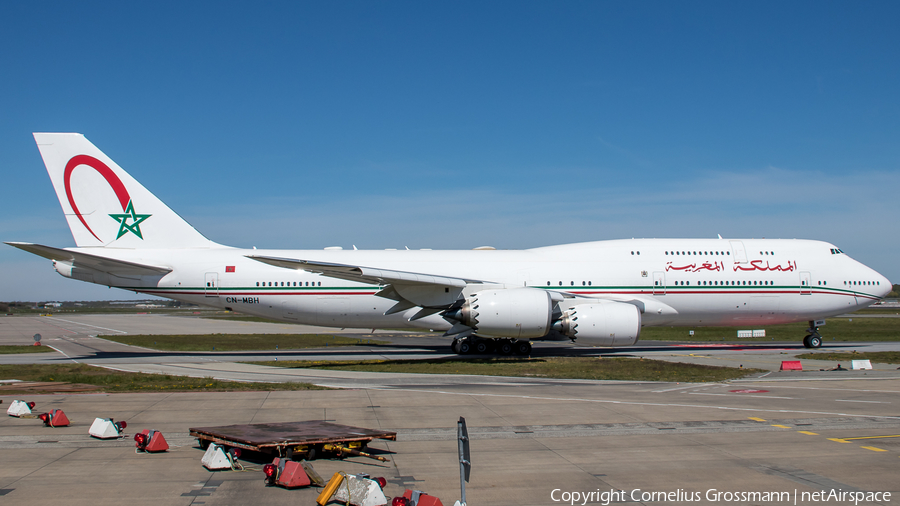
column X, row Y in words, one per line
column 423, row 498
column 150, row 441
column 55, row 418
column 290, row 474
column 791, row 365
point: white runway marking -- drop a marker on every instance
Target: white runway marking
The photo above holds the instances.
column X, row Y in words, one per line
column 744, row 395
column 695, row 385
column 87, row 325
column 870, row 402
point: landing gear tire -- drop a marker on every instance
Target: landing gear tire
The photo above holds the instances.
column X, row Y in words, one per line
column 465, row 347
column 523, row 348
column 482, row 346
column 812, row 341
column 505, row 347
column 454, row 346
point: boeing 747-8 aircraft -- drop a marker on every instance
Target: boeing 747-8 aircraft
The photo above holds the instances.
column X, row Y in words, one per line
column 599, row 292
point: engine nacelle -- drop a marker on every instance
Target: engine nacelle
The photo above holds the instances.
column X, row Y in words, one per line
column 515, row 312
column 603, row 323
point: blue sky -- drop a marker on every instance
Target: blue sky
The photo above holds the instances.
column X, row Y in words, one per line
column 461, row 124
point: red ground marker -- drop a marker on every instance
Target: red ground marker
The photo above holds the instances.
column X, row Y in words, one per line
column 791, row 365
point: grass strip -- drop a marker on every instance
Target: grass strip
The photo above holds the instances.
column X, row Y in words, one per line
column 631, row 369
column 883, row 357
column 16, row 349
column 836, row 330
column 239, row 342
column 119, row 381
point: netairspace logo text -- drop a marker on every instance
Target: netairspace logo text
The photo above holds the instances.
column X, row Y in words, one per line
column 606, row 497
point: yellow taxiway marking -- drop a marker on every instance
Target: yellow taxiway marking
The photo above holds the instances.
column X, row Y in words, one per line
column 873, row 448
column 868, row 437
column 838, row 440
column 781, row 426
column 807, row 432
column 756, row 419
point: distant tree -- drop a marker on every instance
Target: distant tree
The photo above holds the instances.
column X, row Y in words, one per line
column 895, row 292
column 4, row 308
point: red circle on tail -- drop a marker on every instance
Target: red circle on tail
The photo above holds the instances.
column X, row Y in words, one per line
column 114, row 182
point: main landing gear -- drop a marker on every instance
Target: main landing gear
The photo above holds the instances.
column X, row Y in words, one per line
column 479, row 345
column 812, row 339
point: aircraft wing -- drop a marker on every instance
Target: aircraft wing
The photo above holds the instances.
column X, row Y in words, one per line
column 409, row 289
column 119, row 268
column 364, row 274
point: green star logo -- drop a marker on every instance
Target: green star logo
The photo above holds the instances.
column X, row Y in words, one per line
column 136, row 220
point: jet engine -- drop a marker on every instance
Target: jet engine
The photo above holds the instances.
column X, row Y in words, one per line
column 521, row 313
column 602, row 324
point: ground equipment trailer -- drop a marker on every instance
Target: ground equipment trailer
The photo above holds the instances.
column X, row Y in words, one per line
column 295, row 440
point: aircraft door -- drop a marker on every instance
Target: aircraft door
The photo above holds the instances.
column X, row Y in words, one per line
column 805, row 288
column 333, row 311
column 659, row 283
column 738, row 252
column 288, row 310
column 212, row 284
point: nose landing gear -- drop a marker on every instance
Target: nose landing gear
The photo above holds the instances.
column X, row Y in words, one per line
column 812, row 339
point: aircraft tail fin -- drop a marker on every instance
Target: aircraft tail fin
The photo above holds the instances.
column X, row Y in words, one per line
column 104, row 205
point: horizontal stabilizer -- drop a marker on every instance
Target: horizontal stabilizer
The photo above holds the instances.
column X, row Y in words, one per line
column 119, row 268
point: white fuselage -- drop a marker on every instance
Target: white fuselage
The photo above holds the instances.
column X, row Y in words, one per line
column 697, row 282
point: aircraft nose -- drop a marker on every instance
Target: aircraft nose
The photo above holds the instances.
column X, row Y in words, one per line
column 885, row 286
